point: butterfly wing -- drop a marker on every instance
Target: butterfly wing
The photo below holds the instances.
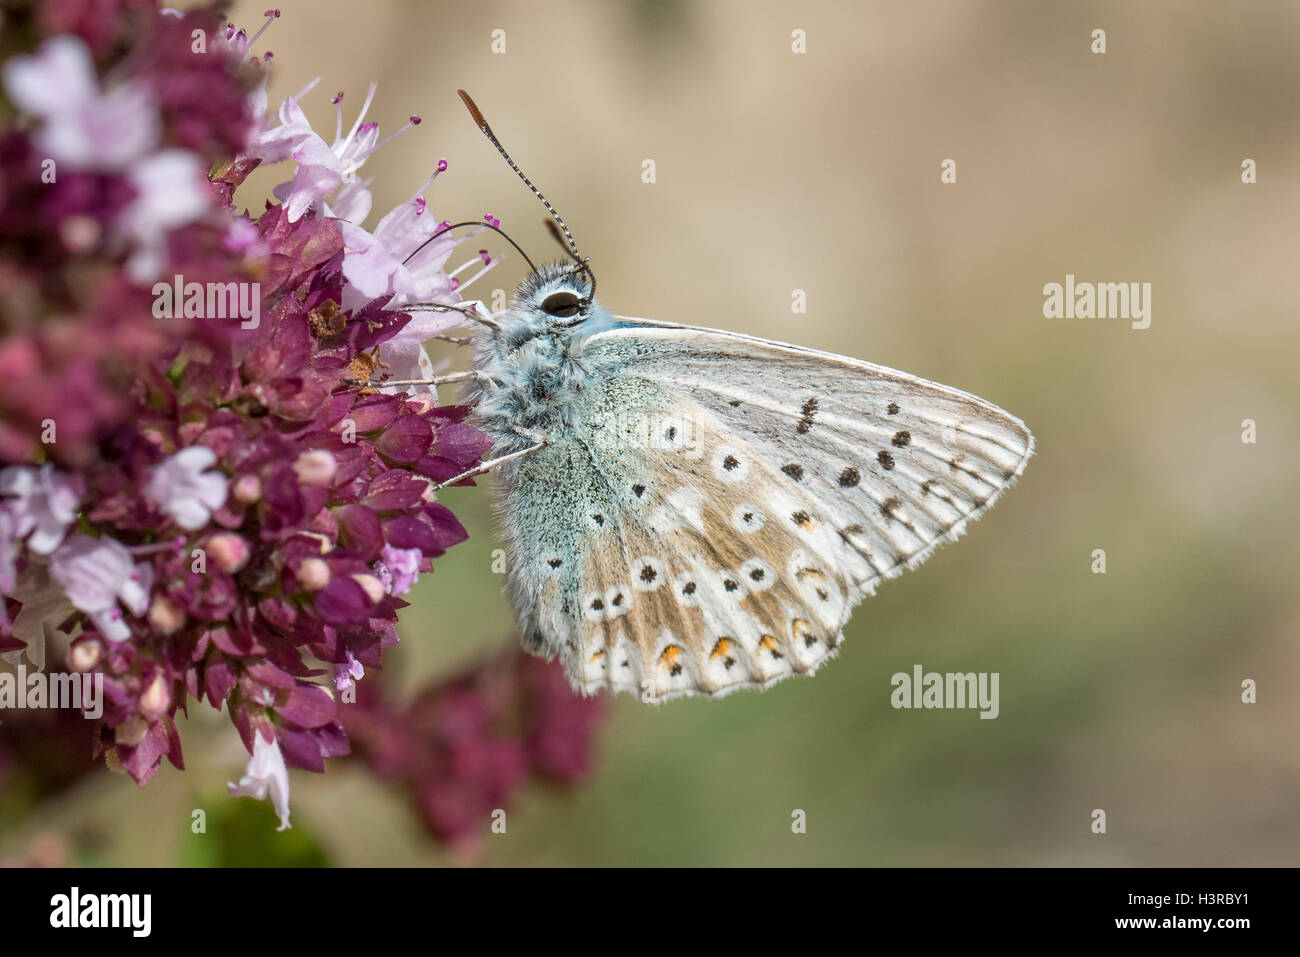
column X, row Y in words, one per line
column 697, row 588
column 639, row 556
column 727, row 505
column 899, row 464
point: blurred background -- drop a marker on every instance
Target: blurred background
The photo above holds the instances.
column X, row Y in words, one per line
column 820, row 171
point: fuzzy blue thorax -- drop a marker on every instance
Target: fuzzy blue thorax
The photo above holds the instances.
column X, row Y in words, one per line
column 534, row 364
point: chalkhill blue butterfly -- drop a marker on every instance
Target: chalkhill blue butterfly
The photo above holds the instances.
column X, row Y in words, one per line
column 689, row 511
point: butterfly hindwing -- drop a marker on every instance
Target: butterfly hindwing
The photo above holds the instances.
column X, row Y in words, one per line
column 693, row 587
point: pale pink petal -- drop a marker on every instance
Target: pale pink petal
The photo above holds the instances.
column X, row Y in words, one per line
column 266, row 772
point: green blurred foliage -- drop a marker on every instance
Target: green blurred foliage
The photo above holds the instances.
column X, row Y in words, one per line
column 242, row 833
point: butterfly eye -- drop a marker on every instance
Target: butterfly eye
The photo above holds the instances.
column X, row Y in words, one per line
column 562, row 304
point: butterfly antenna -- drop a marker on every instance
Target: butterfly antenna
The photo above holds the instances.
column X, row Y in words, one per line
column 571, row 247
column 469, row 222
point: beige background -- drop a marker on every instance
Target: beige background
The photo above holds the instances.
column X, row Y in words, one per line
column 821, row 172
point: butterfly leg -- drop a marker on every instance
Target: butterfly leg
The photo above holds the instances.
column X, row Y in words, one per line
column 474, row 311
column 488, row 466
column 475, row 374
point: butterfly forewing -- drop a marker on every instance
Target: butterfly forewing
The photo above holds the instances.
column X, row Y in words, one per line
column 899, row 464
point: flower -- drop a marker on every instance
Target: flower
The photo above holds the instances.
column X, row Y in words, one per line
column 374, row 263
column 83, row 128
column 44, row 504
column 97, row 573
column 398, row 568
column 184, row 489
column 345, row 673
column 321, row 168
column 128, row 155
column 266, row 772
column 170, row 192
column 465, row 744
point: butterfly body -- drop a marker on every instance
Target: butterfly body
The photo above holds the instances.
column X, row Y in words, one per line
column 702, row 510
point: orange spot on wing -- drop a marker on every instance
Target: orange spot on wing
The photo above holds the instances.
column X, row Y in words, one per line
column 803, row 629
column 669, row 659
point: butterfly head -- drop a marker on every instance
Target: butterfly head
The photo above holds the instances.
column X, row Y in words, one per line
column 555, row 300
column 533, row 354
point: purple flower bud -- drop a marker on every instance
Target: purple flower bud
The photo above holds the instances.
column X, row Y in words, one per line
column 247, row 489
column 228, row 551
column 407, row 439
column 313, row 574
column 131, row 731
column 84, row 654
column 157, row 698
column 166, row 616
column 315, row 467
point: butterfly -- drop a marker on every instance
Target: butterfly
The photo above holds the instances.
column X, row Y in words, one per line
column 689, row 511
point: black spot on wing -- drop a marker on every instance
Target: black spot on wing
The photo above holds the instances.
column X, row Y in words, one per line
column 807, row 412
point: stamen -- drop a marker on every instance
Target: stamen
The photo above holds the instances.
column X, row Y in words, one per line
column 463, row 266
column 297, row 97
column 174, row 545
column 340, row 148
column 413, row 121
column 338, row 115
column 271, row 17
column 486, row 269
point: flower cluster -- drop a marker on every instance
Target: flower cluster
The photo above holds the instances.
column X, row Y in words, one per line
column 463, row 745
column 217, row 502
column 102, row 187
